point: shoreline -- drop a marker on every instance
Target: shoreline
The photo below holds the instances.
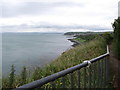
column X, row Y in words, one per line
column 75, row 42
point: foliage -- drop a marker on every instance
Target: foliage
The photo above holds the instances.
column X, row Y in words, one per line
column 116, row 27
column 108, row 37
column 12, row 76
column 82, row 33
column 23, row 75
column 37, row 74
column 86, row 38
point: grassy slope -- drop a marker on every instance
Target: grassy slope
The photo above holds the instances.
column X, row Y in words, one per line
column 78, row 54
column 68, row 59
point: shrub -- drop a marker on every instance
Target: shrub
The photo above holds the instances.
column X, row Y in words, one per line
column 24, row 75
column 12, row 76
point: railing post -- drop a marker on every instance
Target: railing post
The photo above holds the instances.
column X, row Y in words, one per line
column 63, row 82
column 98, row 79
column 78, row 72
column 89, row 83
column 84, row 77
column 71, row 80
column 53, row 85
column 100, row 85
column 102, row 73
column 94, row 84
column 107, row 71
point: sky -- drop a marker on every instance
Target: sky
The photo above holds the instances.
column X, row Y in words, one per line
column 119, row 9
column 57, row 15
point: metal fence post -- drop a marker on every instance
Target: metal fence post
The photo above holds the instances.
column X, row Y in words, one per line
column 98, row 79
column 84, row 77
column 53, row 84
column 94, row 83
column 78, row 72
column 102, row 73
column 89, row 83
column 71, row 80
column 100, row 85
column 63, row 82
column 105, row 72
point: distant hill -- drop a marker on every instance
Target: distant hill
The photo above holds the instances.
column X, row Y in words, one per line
column 82, row 33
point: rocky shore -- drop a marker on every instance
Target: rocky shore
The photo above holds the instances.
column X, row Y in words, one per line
column 75, row 42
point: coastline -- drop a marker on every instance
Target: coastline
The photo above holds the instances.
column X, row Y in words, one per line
column 75, row 42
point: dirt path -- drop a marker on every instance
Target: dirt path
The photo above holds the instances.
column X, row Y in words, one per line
column 115, row 69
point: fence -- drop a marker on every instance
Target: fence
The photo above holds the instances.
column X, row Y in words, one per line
column 95, row 75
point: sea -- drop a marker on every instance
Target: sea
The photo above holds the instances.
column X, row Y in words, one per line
column 31, row 49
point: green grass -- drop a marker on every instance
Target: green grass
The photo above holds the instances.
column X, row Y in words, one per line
column 86, row 38
column 72, row 57
column 80, row 40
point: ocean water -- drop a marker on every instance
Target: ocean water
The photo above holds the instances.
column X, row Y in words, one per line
column 31, row 49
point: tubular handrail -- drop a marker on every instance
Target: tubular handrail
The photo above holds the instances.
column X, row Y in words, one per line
column 45, row 80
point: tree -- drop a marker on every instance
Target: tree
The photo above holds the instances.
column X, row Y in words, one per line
column 116, row 27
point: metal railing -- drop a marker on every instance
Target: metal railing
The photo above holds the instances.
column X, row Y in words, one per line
column 95, row 75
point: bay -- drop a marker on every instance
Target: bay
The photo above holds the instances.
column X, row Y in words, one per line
column 31, row 49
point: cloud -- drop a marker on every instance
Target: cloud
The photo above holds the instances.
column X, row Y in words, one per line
column 80, row 14
column 33, row 8
column 53, row 28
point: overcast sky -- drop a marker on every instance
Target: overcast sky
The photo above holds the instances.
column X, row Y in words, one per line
column 58, row 15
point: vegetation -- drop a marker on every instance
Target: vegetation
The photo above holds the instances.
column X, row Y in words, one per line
column 116, row 27
column 0, row 77
column 80, row 40
column 108, row 37
column 82, row 33
column 72, row 57
column 85, row 38
column 88, row 36
column 0, row 83
column 23, row 75
column 12, row 76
